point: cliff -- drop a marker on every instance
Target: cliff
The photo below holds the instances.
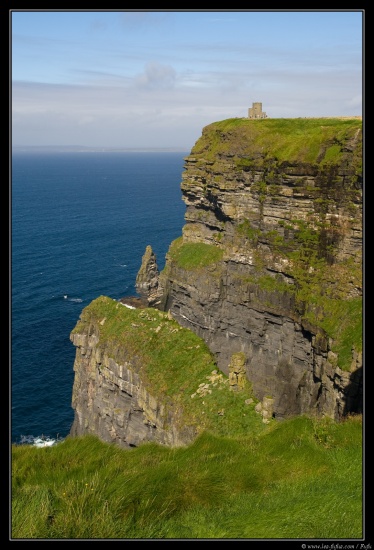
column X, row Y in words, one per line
column 114, row 392
column 260, row 297
column 141, row 377
column 270, row 261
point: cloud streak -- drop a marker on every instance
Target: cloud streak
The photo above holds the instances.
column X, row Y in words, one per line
column 155, row 79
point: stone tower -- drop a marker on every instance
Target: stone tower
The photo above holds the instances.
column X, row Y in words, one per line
column 256, row 111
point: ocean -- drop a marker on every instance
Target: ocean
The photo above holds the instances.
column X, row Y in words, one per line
column 80, row 223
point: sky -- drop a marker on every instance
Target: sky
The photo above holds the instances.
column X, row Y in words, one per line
column 153, row 79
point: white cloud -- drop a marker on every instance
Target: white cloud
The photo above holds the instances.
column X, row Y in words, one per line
column 155, row 76
column 162, row 110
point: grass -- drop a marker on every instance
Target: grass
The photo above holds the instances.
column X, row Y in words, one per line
column 342, row 321
column 309, row 140
column 301, row 478
column 194, row 255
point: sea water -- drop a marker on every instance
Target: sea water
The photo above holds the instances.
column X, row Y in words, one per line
column 80, row 223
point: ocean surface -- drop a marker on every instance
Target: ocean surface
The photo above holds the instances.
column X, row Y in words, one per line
column 80, row 223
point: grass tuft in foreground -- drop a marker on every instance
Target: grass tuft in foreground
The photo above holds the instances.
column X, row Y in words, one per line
column 301, row 478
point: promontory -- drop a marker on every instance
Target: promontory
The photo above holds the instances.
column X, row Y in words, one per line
column 261, row 293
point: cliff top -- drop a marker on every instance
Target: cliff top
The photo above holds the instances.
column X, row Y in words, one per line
column 306, row 140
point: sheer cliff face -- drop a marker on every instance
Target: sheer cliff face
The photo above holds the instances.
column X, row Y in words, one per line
column 269, row 263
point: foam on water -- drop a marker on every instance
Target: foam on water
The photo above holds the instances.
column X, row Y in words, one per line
column 39, row 441
column 79, row 300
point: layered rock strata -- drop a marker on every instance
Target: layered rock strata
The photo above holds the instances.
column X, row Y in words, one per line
column 111, row 397
column 277, row 221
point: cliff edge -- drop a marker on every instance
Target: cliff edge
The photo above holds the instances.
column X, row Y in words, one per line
column 270, row 260
column 141, row 377
column 259, row 305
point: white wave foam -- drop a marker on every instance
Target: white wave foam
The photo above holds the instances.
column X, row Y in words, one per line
column 40, row 441
column 72, row 299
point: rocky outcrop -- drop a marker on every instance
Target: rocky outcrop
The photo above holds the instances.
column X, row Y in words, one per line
column 111, row 402
column 141, row 377
column 111, row 395
column 148, row 281
column 270, row 261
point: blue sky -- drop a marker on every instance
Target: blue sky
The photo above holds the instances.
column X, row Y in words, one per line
column 151, row 79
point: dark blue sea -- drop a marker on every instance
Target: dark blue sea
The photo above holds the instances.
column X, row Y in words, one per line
column 80, row 223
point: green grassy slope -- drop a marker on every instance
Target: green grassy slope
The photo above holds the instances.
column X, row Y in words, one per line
column 301, row 478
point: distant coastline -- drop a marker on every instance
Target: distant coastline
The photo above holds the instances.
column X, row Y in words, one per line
column 99, row 149
column 84, row 149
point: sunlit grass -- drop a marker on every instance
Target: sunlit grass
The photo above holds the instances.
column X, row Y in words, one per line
column 301, row 478
column 194, row 255
column 310, row 140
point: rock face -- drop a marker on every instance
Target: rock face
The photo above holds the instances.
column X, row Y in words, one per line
column 111, row 402
column 147, row 280
column 270, row 261
column 111, row 398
